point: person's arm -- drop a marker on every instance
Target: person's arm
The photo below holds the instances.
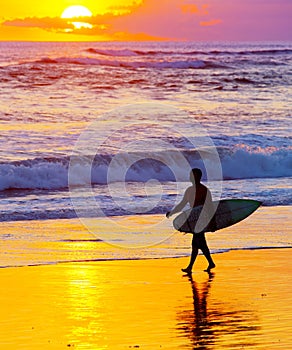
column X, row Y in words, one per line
column 180, row 206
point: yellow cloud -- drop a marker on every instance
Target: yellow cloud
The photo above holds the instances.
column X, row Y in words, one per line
column 99, row 23
column 34, row 22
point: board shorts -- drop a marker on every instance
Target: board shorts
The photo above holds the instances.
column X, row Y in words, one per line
column 199, row 240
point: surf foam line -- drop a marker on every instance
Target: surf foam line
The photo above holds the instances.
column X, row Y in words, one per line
column 52, row 173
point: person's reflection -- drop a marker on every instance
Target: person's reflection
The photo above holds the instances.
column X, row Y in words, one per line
column 196, row 323
column 200, row 300
column 205, row 327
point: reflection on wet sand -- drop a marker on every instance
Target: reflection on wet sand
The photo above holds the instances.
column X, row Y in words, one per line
column 209, row 322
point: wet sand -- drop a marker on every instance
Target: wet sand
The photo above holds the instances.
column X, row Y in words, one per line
column 150, row 304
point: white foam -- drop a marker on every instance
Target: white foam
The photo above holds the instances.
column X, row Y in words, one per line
column 53, row 173
column 41, row 175
column 246, row 164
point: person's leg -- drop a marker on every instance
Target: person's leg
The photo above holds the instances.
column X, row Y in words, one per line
column 194, row 254
column 205, row 250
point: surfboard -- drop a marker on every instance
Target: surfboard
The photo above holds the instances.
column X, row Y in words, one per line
column 228, row 212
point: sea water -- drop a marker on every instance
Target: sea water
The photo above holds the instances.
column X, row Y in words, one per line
column 110, row 130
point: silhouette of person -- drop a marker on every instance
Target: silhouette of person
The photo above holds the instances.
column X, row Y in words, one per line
column 195, row 195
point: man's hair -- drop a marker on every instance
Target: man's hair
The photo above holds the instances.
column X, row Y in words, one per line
column 197, row 173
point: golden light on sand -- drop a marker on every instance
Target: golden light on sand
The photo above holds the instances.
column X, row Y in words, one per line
column 76, row 11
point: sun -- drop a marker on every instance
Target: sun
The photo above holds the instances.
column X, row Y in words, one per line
column 76, row 11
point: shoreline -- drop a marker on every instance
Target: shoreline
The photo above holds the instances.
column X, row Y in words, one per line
column 144, row 258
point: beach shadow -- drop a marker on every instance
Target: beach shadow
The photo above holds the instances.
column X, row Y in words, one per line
column 206, row 326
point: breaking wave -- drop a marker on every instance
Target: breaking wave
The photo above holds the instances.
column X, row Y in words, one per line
column 52, row 173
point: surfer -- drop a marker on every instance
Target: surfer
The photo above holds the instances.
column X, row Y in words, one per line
column 197, row 194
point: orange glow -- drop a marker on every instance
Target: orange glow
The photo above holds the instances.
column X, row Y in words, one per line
column 35, row 21
column 212, row 22
column 144, row 20
column 189, row 8
column 126, row 36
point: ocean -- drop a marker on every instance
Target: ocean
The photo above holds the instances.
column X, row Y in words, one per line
column 106, row 133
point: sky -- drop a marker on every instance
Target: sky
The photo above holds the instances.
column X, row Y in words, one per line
column 131, row 20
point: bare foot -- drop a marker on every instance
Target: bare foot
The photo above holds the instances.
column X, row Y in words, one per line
column 187, row 270
column 210, row 267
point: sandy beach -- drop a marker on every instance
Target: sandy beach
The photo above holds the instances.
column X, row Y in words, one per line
column 149, row 304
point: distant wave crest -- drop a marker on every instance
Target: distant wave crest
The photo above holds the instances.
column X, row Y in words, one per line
column 129, row 53
column 184, row 64
column 124, row 52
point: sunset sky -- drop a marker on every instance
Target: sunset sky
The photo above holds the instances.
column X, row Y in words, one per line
column 148, row 20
